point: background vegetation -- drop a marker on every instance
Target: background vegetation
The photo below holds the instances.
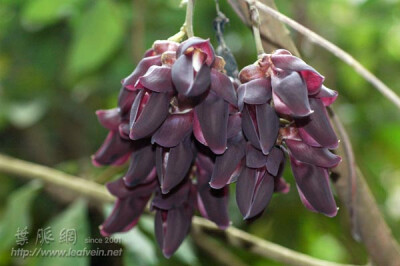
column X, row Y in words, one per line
column 62, row 60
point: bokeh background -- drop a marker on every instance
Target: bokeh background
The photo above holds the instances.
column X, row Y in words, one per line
column 60, row 60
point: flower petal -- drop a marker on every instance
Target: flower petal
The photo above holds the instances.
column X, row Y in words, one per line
column 316, row 130
column 312, row 78
column 327, row 95
column 172, row 230
column 275, row 159
column 125, row 100
column 130, row 81
column 321, row 157
column 250, row 72
column 254, row 190
column 114, row 150
column 268, row 126
column 212, row 115
column 141, row 166
column 201, row 44
column 292, row 91
column 110, row 118
column 151, row 117
column 228, row 165
column 173, row 130
column 158, row 79
column 313, row 182
column 173, row 164
column 213, row 203
column 257, row 91
column 234, row 125
column 249, row 127
column 223, row 87
column 254, row 157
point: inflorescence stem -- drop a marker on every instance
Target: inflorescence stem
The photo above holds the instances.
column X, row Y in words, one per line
column 255, row 21
column 189, row 18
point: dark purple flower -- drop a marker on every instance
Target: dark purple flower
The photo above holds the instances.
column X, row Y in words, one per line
column 174, row 213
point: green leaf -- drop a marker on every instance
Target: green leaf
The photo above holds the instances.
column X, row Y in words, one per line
column 96, row 36
column 40, row 13
column 74, row 219
column 17, row 214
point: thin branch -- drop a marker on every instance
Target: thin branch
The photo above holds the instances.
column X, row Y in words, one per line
column 98, row 192
column 338, row 52
column 255, row 21
column 189, row 18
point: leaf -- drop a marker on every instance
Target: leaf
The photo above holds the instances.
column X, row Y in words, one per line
column 40, row 13
column 26, row 114
column 73, row 218
column 96, row 36
column 17, row 214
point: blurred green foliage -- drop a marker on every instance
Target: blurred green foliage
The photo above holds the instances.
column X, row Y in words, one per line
column 60, row 60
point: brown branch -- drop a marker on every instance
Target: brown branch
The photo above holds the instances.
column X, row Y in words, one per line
column 98, row 192
column 367, row 221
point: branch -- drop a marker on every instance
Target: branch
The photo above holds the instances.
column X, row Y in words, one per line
column 338, row 52
column 368, row 222
column 98, row 192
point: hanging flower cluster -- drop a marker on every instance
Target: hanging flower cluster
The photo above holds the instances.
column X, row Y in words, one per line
column 189, row 130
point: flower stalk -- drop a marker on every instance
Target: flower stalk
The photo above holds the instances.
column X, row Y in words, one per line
column 255, row 21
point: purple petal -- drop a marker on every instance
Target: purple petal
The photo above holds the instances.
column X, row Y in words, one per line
column 141, row 166
column 174, row 129
column 171, row 228
column 234, row 125
column 274, row 161
column 268, row 126
column 254, row 157
column 254, row 190
column 151, row 117
column 121, row 191
column 223, row 87
column 326, row 95
column 213, row 203
column 109, row 119
column 176, row 198
column 201, row 44
column 125, row 100
column 249, row 124
column 115, row 150
column 228, row 165
column 316, row 130
column 212, row 115
column 124, row 216
column 157, row 78
column 281, row 186
column 173, row 164
column 161, row 46
column 250, row 72
column 313, row 182
column 185, row 80
column 130, row 81
column 256, row 91
column 321, row 157
column 312, row 78
column 292, row 91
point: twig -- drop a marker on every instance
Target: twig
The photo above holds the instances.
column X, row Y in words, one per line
column 98, row 192
column 189, row 18
column 338, row 52
column 255, row 21
column 215, row 250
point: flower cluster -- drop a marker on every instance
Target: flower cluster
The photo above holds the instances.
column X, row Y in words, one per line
column 189, row 130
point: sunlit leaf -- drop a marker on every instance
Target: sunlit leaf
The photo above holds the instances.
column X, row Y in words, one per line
column 17, row 214
column 40, row 13
column 73, row 219
column 96, row 36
